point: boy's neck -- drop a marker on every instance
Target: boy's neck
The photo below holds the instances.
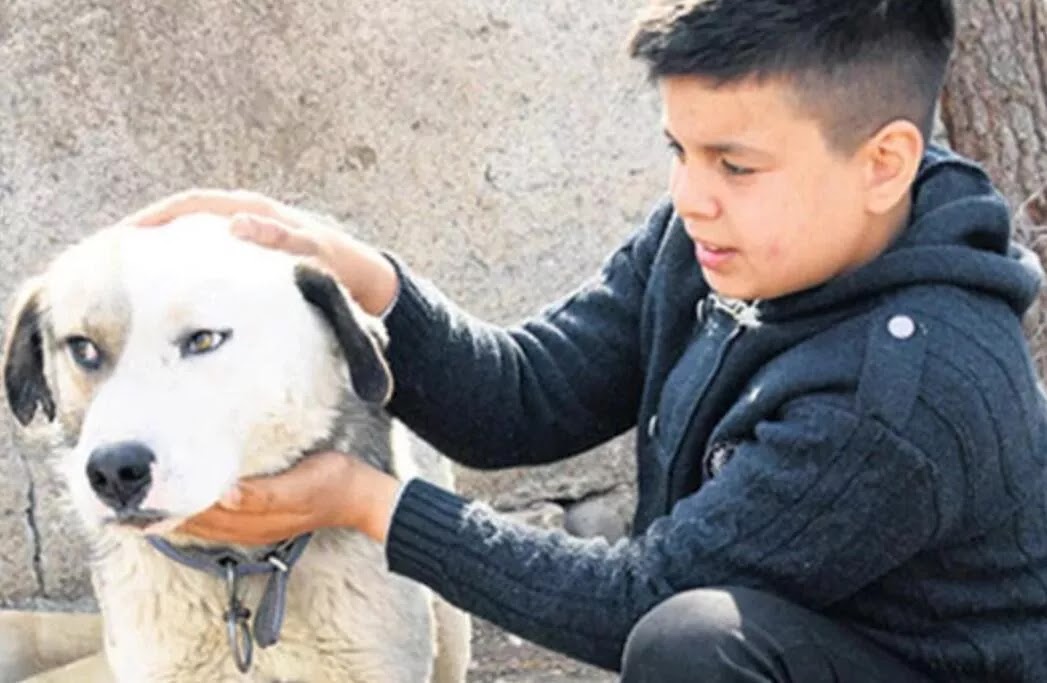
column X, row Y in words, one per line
column 884, row 229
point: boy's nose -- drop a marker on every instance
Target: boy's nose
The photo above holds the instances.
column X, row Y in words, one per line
column 692, row 197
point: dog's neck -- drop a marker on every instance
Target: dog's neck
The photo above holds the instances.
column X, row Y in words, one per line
column 232, row 567
column 363, row 431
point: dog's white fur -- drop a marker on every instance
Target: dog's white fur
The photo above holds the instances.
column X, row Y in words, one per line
column 275, row 389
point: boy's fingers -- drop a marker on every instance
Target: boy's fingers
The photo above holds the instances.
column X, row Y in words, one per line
column 210, row 529
column 272, row 233
column 267, row 494
column 273, row 494
column 220, row 202
column 214, row 525
column 231, row 499
column 249, row 497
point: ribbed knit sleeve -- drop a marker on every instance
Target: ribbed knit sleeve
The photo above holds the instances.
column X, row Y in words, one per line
column 816, row 505
column 553, row 386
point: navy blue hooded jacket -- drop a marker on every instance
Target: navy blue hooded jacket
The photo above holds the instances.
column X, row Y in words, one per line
column 872, row 448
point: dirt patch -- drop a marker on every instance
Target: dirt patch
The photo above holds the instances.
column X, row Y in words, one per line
column 502, row 658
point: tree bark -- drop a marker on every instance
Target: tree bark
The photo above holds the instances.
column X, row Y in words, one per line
column 994, row 109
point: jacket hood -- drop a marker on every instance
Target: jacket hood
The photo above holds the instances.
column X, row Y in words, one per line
column 959, row 233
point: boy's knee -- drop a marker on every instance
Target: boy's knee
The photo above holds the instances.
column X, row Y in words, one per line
column 690, row 636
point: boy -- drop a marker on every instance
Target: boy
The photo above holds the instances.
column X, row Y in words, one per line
column 841, row 439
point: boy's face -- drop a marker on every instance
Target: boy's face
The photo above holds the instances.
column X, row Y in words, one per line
column 771, row 209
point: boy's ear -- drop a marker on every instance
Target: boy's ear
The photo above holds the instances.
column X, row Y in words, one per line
column 891, row 158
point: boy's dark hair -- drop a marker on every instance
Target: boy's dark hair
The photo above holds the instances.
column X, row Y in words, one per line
column 855, row 65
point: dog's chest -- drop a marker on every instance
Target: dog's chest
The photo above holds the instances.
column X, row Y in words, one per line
column 347, row 619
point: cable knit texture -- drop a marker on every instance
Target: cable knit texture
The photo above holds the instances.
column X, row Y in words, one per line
column 872, row 448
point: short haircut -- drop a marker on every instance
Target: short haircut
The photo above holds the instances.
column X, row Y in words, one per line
column 854, row 65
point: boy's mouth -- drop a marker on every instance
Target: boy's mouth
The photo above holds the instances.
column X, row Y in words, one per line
column 712, row 257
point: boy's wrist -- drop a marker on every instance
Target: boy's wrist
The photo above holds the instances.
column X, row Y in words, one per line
column 385, row 495
column 371, row 495
column 363, row 270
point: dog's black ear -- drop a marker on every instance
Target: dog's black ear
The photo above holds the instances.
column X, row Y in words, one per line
column 24, row 379
column 370, row 375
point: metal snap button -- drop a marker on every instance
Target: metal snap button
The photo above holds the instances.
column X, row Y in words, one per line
column 901, row 327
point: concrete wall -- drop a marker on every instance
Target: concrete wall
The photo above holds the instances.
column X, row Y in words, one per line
column 501, row 147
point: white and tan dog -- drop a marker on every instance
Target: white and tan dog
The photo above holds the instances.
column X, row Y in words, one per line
column 168, row 363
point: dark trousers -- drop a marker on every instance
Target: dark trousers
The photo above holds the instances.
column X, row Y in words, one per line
column 728, row 635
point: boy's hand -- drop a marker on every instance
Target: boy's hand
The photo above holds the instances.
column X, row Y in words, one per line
column 323, row 490
column 226, row 203
column 368, row 276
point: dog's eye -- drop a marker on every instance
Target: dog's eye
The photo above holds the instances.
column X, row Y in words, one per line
column 84, row 352
column 203, row 341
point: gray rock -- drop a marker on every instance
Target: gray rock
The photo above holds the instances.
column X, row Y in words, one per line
column 545, row 515
column 607, row 515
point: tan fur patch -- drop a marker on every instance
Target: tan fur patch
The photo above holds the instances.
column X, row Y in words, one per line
column 82, row 295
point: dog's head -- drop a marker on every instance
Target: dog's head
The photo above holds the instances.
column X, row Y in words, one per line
column 172, row 361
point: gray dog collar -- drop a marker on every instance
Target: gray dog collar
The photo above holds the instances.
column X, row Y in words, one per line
column 232, row 565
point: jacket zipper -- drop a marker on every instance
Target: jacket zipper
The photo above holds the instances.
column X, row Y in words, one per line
column 743, row 315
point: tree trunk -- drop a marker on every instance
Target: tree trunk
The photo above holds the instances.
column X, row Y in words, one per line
column 995, row 111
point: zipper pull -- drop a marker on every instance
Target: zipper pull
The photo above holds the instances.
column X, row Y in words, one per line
column 744, row 313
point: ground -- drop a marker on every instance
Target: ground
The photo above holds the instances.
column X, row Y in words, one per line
column 502, row 658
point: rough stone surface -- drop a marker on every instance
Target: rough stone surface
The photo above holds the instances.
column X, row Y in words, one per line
column 607, row 514
column 543, row 514
column 18, row 576
column 502, row 148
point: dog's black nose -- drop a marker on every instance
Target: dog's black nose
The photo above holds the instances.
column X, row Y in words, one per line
column 120, row 473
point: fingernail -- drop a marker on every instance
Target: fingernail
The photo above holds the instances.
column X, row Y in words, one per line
column 241, row 226
column 160, row 528
column 231, row 498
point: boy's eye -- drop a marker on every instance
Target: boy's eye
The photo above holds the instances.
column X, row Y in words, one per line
column 675, row 147
column 203, row 341
column 84, row 352
column 732, row 169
